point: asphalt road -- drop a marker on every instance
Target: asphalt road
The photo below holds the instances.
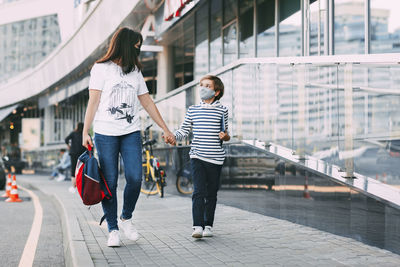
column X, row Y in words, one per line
column 15, row 224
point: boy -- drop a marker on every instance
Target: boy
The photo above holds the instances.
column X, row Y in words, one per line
column 209, row 123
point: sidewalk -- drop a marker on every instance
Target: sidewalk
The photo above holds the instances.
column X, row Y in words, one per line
column 241, row 237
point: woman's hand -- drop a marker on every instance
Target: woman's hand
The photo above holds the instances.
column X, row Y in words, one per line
column 86, row 140
column 224, row 136
column 169, row 137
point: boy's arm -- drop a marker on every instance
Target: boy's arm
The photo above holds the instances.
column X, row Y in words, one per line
column 224, row 136
column 184, row 130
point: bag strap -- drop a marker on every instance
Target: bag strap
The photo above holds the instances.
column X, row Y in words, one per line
column 102, row 219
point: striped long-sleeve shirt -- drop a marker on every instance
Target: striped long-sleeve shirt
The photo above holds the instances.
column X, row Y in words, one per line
column 206, row 121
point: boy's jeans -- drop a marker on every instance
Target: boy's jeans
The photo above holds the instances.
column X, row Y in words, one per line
column 206, row 182
column 108, row 150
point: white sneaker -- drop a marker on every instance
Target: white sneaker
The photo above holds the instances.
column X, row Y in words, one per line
column 207, row 231
column 129, row 230
column 197, row 232
column 113, row 239
column 61, row 177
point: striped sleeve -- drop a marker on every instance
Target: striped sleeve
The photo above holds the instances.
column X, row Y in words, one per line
column 226, row 119
column 186, row 126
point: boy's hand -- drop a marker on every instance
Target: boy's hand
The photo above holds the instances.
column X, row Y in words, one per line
column 169, row 138
column 224, row 136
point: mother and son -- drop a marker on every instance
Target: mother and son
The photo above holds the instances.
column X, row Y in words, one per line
column 116, row 90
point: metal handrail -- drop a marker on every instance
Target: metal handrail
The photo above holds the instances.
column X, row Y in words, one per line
column 382, row 60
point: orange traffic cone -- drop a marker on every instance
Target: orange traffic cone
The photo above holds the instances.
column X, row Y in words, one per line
column 8, row 187
column 306, row 194
column 14, row 197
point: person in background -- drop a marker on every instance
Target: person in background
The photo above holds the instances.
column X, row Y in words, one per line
column 209, row 123
column 60, row 168
column 74, row 142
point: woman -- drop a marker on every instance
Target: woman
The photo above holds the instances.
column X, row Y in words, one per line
column 74, row 143
column 116, row 89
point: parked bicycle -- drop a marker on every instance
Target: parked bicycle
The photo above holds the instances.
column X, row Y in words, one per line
column 153, row 181
column 184, row 182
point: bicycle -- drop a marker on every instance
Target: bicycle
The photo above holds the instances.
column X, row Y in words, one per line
column 153, row 181
column 184, row 181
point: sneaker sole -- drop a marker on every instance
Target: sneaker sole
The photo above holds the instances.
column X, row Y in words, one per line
column 113, row 245
column 207, row 235
column 197, row 235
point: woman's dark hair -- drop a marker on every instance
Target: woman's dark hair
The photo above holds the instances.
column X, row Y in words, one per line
column 79, row 127
column 122, row 49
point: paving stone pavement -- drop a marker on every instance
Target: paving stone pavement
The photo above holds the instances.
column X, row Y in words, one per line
column 240, row 237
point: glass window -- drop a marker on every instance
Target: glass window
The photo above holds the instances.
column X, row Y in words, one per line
column 289, row 28
column 349, row 27
column 215, row 35
column 265, row 28
column 246, row 22
column 317, row 19
column 385, row 26
column 230, row 10
column 230, row 43
column 201, row 50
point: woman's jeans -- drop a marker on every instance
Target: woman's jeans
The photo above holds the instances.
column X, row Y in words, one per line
column 108, row 150
column 206, row 182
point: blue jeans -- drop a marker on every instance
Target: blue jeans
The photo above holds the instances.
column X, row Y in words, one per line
column 108, row 150
column 206, row 182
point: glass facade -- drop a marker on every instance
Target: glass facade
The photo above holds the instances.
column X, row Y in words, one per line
column 24, row 44
column 266, row 28
column 201, row 41
column 289, row 28
column 385, row 26
column 349, row 26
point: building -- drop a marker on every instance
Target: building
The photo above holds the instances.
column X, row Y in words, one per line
column 277, row 57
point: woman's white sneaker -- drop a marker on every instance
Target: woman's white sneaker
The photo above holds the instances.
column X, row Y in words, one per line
column 197, row 232
column 114, row 239
column 129, row 230
column 207, row 231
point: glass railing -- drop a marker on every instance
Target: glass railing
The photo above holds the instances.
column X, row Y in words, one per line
column 341, row 110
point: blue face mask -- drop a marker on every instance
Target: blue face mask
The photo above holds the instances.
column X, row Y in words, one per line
column 206, row 93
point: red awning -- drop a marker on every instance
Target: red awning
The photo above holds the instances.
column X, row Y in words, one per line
column 172, row 8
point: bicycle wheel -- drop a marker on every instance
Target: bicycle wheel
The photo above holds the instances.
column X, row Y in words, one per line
column 148, row 184
column 184, row 185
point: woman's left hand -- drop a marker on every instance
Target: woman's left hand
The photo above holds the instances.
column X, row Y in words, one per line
column 224, row 136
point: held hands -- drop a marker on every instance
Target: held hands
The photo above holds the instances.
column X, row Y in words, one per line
column 224, row 136
column 169, row 138
column 86, row 140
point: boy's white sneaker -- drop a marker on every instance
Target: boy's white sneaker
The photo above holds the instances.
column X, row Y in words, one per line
column 207, row 232
column 129, row 230
column 114, row 239
column 197, row 232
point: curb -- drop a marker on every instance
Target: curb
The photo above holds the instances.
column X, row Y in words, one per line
column 76, row 252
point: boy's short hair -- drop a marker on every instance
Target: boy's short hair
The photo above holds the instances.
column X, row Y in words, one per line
column 63, row 150
column 218, row 85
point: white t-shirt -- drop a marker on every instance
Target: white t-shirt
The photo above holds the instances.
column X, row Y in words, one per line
column 118, row 111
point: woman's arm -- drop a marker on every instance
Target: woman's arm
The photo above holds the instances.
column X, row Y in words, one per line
column 152, row 110
column 93, row 104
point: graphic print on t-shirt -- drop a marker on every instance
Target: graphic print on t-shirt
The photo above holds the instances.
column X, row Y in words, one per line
column 120, row 105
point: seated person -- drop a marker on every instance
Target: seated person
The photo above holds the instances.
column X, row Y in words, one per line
column 60, row 169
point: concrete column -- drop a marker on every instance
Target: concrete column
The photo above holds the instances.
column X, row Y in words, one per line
column 48, row 124
column 165, row 71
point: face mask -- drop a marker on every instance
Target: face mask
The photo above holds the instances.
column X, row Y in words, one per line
column 137, row 50
column 206, row 93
